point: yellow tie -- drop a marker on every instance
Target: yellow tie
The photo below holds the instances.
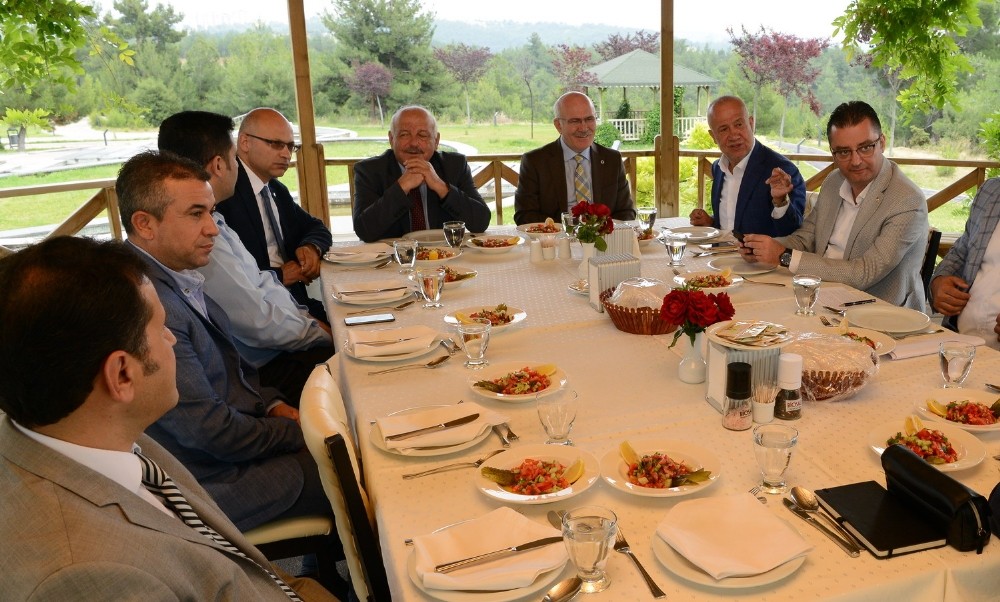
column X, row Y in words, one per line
column 580, row 182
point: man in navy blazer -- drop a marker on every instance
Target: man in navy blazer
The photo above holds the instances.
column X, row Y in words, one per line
column 264, row 147
column 546, row 186
column 755, row 190
column 414, row 186
column 242, row 442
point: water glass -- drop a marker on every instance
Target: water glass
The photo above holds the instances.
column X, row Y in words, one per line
column 475, row 338
column 405, row 252
column 557, row 411
column 454, row 233
column 675, row 245
column 568, row 222
column 588, row 533
column 772, row 445
column 806, row 289
column 430, row 283
column 647, row 215
column 956, row 362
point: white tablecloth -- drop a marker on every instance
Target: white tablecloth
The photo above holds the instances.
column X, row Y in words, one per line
column 628, row 389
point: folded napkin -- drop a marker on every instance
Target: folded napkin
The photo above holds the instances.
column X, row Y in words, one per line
column 359, row 253
column 418, row 337
column 404, row 423
column 501, row 528
column 928, row 344
column 371, row 285
column 731, row 536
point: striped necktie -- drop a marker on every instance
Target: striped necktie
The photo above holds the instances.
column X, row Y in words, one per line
column 265, row 195
column 580, row 181
column 164, row 488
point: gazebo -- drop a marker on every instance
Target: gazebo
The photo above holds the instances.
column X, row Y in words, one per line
column 641, row 69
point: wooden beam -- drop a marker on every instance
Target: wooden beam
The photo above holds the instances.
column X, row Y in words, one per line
column 668, row 161
column 969, row 180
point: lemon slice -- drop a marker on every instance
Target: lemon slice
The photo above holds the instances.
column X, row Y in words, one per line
column 727, row 274
column 938, row 408
column 546, row 369
column 463, row 318
column 574, row 472
column 912, row 425
column 628, row 454
column 842, row 329
column 513, row 240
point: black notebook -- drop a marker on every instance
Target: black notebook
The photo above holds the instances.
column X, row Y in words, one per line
column 881, row 522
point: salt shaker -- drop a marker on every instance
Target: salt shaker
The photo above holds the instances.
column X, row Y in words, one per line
column 562, row 246
column 788, row 403
column 737, row 414
column 535, row 250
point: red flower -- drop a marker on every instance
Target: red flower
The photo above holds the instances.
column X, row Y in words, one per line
column 726, row 309
column 702, row 311
column 600, row 210
column 694, row 311
column 675, row 305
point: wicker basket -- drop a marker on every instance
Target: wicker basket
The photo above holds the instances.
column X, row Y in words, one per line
column 641, row 320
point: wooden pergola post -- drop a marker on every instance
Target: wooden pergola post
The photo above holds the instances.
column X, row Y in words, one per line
column 668, row 146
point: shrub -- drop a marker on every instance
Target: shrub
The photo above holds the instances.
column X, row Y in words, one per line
column 989, row 132
column 624, row 110
column 699, row 139
column 606, row 134
column 918, row 137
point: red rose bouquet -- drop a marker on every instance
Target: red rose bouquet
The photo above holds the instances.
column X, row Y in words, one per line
column 593, row 222
column 692, row 310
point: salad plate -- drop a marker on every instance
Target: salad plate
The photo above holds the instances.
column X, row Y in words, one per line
column 615, row 471
column 493, row 371
column 946, row 396
column 507, row 243
column 518, row 315
column 685, row 569
column 883, row 343
column 695, row 233
column 887, row 318
column 445, row 254
column 970, row 450
column 694, row 278
column 563, row 454
column 379, row 441
column 537, row 229
column 737, row 266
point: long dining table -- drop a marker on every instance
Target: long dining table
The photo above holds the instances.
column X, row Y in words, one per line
column 628, row 389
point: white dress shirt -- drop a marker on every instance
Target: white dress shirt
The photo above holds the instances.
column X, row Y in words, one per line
column 849, row 208
column 273, row 253
column 979, row 317
column 569, row 157
column 730, row 192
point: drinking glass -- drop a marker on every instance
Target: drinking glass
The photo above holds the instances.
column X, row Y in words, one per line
column 675, row 245
column 557, row 411
column 647, row 215
column 475, row 338
column 430, row 282
column 454, row 233
column 956, row 362
column 406, row 254
column 772, row 445
column 568, row 222
column 806, row 289
column 588, row 533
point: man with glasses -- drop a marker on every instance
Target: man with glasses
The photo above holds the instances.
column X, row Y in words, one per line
column 571, row 169
column 414, row 186
column 280, row 235
column 869, row 227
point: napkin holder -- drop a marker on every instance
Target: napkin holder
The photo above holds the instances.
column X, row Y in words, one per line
column 763, row 367
column 608, row 271
column 621, row 241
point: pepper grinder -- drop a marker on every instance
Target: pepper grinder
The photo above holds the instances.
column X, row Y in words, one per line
column 737, row 414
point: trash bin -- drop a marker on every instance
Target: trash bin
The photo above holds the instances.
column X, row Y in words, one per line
column 12, row 137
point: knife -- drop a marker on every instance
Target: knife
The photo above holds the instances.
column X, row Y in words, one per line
column 373, row 291
column 862, row 302
column 489, row 556
column 436, row 427
column 849, row 548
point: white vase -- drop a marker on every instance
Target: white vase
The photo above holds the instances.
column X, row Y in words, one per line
column 692, row 367
column 583, row 271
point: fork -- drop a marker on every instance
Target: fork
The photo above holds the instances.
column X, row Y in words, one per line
column 622, row 546
column 828, row 322
column 510, row 434
column 900, row 337
column 762, row 282
column 755, row 491
column 840, row 312
column 475, row 464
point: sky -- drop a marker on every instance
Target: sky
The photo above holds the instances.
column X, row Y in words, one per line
column 693, row 20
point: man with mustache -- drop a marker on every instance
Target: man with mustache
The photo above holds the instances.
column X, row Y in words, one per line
column 571, row 169
column 280, row 235
column 414, row 186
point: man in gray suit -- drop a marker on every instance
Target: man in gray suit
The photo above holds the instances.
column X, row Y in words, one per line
column 86, row 364
column 571, row 169
column 869, row 227
column 242, row 441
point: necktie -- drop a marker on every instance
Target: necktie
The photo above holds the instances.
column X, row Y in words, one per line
column 580, row 181
column 417, row 219
column 265, row 194
column 163, row 487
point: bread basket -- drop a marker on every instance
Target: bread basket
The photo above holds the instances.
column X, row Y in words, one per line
column 635, row 320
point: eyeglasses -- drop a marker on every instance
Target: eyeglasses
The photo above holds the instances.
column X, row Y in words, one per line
column 865, row 150
column 278, row 144
column 577, row 122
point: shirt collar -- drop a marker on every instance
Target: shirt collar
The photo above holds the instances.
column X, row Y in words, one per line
column 569, row 154
column 847, row 193
column 724, row 160
column 255, row 183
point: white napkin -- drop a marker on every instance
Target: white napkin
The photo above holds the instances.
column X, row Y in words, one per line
column 404, row 423
column 501, row 528
column 359, row 253
column 928, row 344
column 420, row 337
column 731, row 536
column 339, row 288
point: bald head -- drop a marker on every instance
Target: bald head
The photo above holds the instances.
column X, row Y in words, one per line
column 265, row 143
column 575, row 120
column 731, row 126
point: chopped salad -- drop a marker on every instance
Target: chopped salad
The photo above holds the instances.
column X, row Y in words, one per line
column 970, row 412
column 929, row 444
column 709, row 281
column 494, row 243
column 498, row 316
column 537, row 477
column 519, row 382
column 656, row 471
column 434, row 254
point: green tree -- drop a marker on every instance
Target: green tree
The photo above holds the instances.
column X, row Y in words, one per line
column 257, row 73
column 139, row 24
column 20, row 120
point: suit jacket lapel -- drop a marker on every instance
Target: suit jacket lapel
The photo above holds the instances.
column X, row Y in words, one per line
column 751, row 176
column 876, row 193
column 250, row 211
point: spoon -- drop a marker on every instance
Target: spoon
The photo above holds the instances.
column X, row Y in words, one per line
column 806, row 501
column 564, row 590
column 555, row 518
column 434, row 363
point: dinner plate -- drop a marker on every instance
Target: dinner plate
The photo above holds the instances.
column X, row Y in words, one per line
column 580, row 287
column 945, row 396
column 644, row 243
column 519, row 315
column 353, row 260
column 685, row 277
column 379, row 441
column 430, row 237
column 349, row 350
column 525, row 229
column 423, row 263
column 615, row 471
column 714, row 328
column 350, row 300
column 695, row 233
column 494, row 250
column 564, row 454
column 886, row 344
column 740, row 267
column 685, row 569
column 971, row 451
column 493, row 371
column 463, row 281
column 887, row 318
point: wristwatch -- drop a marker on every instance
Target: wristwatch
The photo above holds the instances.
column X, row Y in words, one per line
column 786, row 258
column 781, row 203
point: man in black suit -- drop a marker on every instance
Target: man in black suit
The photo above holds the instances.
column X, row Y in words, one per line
column 571, row 169
column 280, row 235
column 413, row 186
